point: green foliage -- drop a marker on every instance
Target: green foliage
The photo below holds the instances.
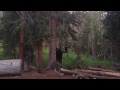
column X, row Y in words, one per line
column 112, row 31
column 90, row 61
column 64, row 29
column 45, row 56
column 10, row 32
column 2, row 57
column 70, row 61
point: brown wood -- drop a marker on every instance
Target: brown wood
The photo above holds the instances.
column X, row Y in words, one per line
column 21, row 36
column 39, row 53
column 10, row 67
column 40, row 58
column 69, row 71
column 100, row 69
column 90, row 76
column 110, row 74
column 85, row 74
column 52, row 64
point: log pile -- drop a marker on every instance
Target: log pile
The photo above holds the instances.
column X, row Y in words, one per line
column 92, row 73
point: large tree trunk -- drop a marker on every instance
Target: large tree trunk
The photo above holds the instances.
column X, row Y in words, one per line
column 40, row 58
column 21, row 38
column 10, row 67
column 39, row 48
column 52, row 64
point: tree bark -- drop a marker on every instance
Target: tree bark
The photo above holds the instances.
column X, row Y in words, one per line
column 21, row 36
column 10, row 67
column 52, row 64
column 21, row 39
column 40, row 58
column 39, row 48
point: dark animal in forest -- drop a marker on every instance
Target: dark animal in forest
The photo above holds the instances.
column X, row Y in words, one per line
column 27, row 57
column 59, row 54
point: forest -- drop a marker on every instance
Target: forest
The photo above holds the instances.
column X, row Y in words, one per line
column 61, row 41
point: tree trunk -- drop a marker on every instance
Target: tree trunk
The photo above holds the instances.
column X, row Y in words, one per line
column 10, row 67
column 21, row 38
column 40, row 58
column 39, row 48
column 52, row 64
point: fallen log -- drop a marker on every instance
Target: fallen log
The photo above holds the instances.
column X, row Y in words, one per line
column 101, row 73
column 10, row 67
column 68, row 71
column 100, row 69
column 96, row 69
column 90, row 76
column 85, row 75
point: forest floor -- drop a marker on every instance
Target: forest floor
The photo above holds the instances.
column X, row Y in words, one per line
column 34, row 75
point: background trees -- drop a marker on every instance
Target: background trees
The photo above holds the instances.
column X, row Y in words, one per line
column 112, row 33
column 94, row 33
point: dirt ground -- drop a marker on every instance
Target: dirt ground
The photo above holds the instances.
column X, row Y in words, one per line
column 34, row 75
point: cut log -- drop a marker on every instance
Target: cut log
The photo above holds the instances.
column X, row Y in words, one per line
column 10, row 67
column 100, row 69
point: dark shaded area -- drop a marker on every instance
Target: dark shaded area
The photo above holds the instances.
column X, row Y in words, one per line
column 28, row 56
column 59, row 54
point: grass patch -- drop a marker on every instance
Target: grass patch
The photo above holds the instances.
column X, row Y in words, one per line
column 89, row 61
column 67, row 59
